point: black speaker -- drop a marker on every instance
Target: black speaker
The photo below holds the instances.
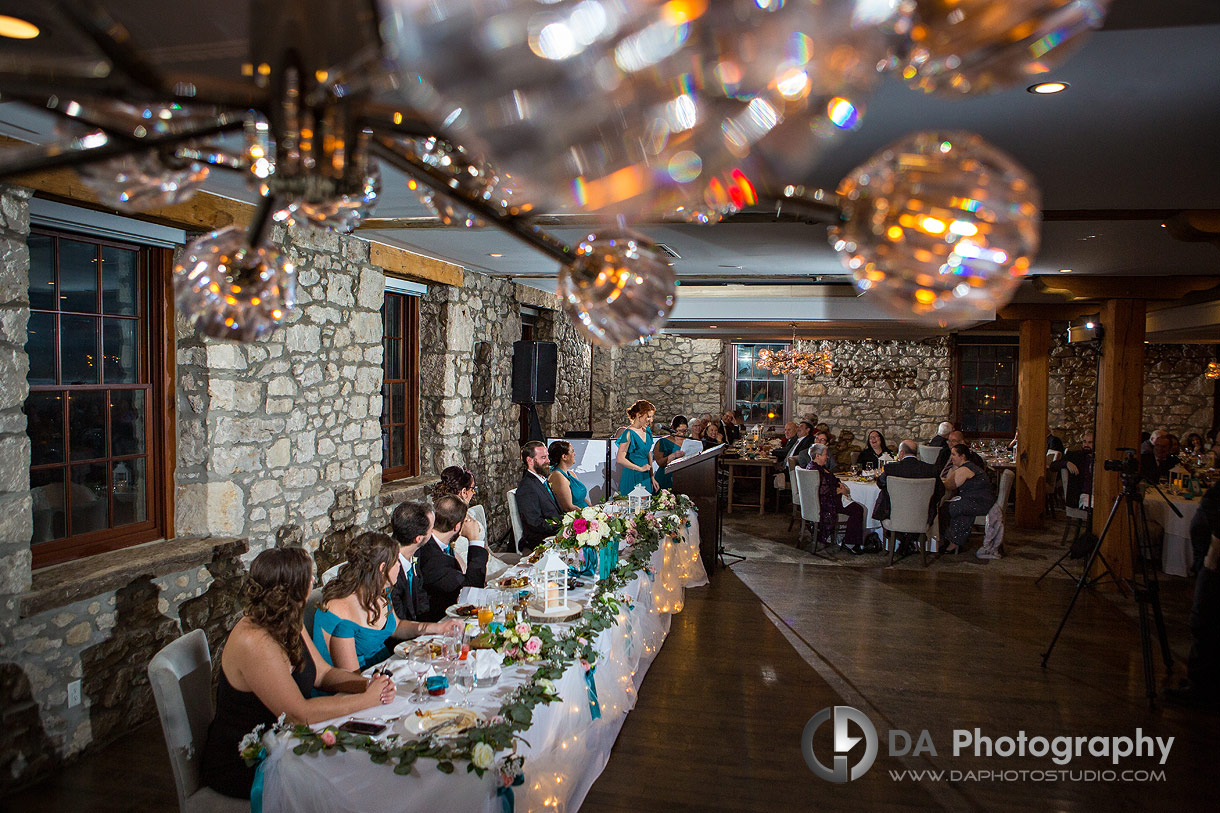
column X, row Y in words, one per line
column 534, row 372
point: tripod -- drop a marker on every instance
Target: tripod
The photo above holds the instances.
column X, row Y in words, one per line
column 721, row 551
column 1143, row 582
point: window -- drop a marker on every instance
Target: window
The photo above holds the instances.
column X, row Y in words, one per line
column 400, row 387
column 92, row 412
column 987, row 385
column 758, row 394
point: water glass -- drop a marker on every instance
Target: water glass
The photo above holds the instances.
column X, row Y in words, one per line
column 420, row 660
column 465, row 681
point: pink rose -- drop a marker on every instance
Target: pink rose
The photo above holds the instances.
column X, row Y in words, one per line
column 580, row 525
column 533, row 645
column 511, row 652
column 522, row 629
column 328, row 738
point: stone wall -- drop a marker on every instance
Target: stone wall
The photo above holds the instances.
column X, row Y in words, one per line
column 1072, row 382
column 899, row 387
column 16, row 512
column 680, row 376
column 572, row 385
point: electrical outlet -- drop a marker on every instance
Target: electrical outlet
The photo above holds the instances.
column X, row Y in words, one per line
column 74, row 694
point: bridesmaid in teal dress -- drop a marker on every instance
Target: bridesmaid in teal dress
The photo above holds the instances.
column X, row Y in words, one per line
column 633, row 446
column 669, row 450
column 569, row 491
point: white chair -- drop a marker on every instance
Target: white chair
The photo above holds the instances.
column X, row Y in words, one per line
column 796, row 500
column 331, row 573
column 181, row 679
column 1071, row 512
column 909, row 501
column 1006, row 481
column 1052, row 455
column 807, row 483
column 514, row 517
column 929, row 454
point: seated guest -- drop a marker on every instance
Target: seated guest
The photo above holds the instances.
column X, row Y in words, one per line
column 956, row 438
column 535, row 502
column 1148, row 440
column 269, row 667
column 1054, row 444
column 797, row 445
column 459, row 482
column 355, row 623
column 1193, row 444
column 907, row 466
column 1175, row 445
column 669, row 450
column 634, row 447
column 696, row 430
column 411, row 525
column 830, row 503
column 788, row 439
column 1079, row 465
column 442, row 574
column 712, row 436
column 570, row 493
column 729, row 426
column 823, row 437
column 876, row 453
column 1156, row 465
column 972, row 497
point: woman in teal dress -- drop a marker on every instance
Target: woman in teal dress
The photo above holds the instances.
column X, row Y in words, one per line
column 355, row 625
column 669, row 450
column 570, row 493
column 634, row 445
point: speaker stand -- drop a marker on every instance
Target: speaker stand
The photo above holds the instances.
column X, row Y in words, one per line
column 535, row 430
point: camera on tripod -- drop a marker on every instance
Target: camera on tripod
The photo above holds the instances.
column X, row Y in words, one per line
column 1128, row 467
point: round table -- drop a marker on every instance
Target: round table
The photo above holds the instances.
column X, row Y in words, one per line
column 865, row 493
column 1177, row 555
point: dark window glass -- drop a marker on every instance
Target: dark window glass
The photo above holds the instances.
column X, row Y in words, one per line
column 44, row 413
column 986, row 400
column 77, row 276
column 40, row 347
column 119, row 349
column 399, row 391
column 89, row 493
column 128, row 488
column 119, row 281
column 50, row 505
column 42, row 273
column 78, row 359
column 126, row 422
column 87, row 424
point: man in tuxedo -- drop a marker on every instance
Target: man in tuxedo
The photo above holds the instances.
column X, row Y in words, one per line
column 411, row 525
column 1079, row 464
column 798, row 442
column 1156, row 465
column 535, row 502
column 909, row 466
column 440, row 572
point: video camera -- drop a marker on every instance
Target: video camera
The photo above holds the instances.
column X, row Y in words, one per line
column 1128, row 467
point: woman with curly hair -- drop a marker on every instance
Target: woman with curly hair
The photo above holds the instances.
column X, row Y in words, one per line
column 634, row 448
column 353, row 626
column 270, row 667
column 570, row 493
column 459, row 482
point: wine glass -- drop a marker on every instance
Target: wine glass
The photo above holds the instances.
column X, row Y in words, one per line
column 465, row 681
column 420, row 659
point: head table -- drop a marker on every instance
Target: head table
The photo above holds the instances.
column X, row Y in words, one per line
column 565, row 748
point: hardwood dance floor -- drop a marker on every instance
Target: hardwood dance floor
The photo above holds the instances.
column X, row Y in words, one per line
column 754, row 655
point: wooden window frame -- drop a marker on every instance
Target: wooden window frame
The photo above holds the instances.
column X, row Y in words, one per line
column 409, row 348
column 731, row 395
column 958, row 380
column 155, row 306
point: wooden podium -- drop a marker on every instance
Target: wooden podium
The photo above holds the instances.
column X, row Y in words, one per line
column 696, row 477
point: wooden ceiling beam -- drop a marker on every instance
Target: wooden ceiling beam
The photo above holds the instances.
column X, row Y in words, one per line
column 1144, row 288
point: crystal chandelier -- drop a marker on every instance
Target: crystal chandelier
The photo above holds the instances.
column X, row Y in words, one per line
column 630, row 110
column 793, row 361
column 1213, row 371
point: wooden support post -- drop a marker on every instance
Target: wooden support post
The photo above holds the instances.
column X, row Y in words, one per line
column 1119, row 413
column 1032, row 376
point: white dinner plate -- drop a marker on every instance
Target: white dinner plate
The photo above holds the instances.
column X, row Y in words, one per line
column 445, row 721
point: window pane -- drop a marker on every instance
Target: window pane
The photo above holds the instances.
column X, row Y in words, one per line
column 385, row 405
column 90, row 506
column 87, row 424
column 77, row 276
column 126, row 422
column 42, row 272
column 78, row 349
column 129, row 488
column 398, row 446
column 743, row 391
column 40, row 347
column 745, row 353
column 393, row 359
column 45, row 425
column 757, row 413
column 120, row 351
column 398, row 413
column 118, row 281
column 385, row 447
column 47, row 489
column 744, row 368
column 393, row 315
column 775, row 394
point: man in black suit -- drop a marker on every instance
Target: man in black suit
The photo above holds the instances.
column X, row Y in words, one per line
column 439, row 571
column 535, row 502
column 799, row 442
column 411, row 525
column 1079, row 465
column 941, row 439
column 1156, row 465
column 907, row 466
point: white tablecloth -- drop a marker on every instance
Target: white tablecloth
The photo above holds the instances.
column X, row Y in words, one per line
column 1177, row 555
column 566, row 750
column 866, row 494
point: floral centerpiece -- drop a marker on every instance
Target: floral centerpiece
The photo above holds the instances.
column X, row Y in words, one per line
column 518, row 643
column 666, row 500
column 595, row 533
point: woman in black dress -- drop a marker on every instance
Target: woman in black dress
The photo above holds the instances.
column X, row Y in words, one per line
column 971, row 496
column 270, row 667
column 870, row 458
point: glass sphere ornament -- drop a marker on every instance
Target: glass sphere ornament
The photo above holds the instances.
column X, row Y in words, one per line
column 145, row 180
column 333, row 210
column 977, row 46
column 939, row 227
column 618, row 288
column 230, row 290
column 463, row 172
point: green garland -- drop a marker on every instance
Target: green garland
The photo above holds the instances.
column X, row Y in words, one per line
column 477, row 746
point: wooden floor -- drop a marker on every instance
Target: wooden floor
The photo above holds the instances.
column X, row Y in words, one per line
column 754, row 655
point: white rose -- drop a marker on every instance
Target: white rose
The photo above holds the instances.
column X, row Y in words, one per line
column 482, row 755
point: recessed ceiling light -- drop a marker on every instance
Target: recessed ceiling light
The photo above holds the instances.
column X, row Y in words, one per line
column 711, row 325
column 1065, row 270
column 1046, row 88
column 17, row 28
column 495, row 255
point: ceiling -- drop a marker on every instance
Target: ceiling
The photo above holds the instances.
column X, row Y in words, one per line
column 1131, row 142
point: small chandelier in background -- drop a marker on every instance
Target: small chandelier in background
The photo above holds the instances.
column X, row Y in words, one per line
column 793, row 361
column 1213, row 370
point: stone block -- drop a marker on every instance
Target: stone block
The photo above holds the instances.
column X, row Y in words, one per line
column 278, row 453
column 216, row 509
column 13, row 323
column 224, row 356
column 302, row 338
column 371, row 291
